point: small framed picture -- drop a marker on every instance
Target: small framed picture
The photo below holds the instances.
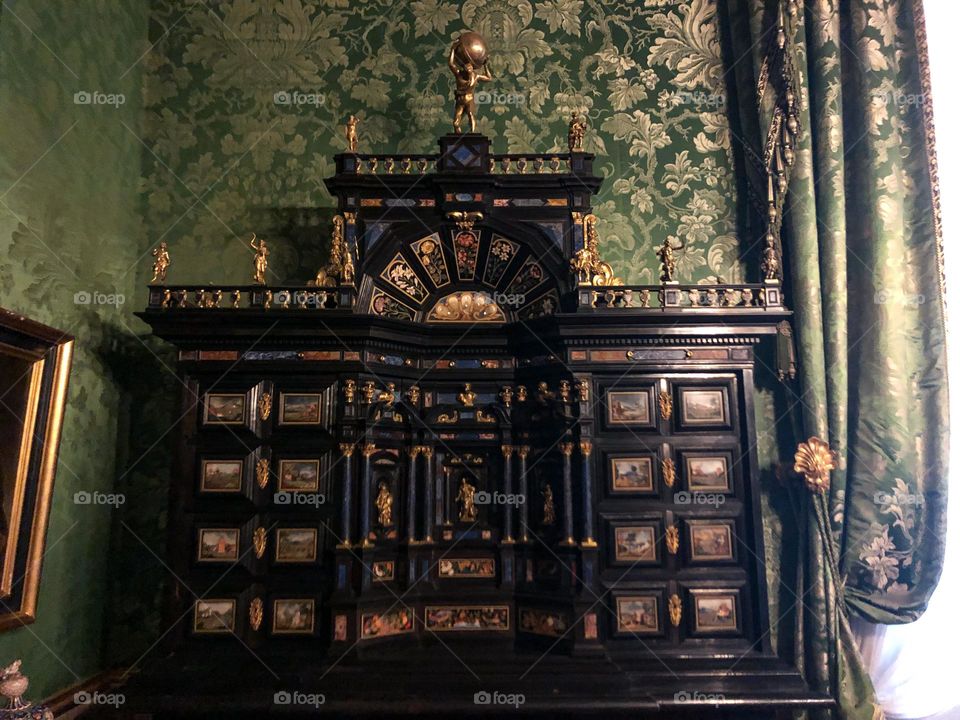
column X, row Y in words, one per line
column 293, row 616
column 212, row 617
column 299, row 409
column 384, row 623
column 296, row 545
column 707, row 473
column 638, row 614
column 382, row 570
column 299, row 476
column 635, row 544
column 224, row 409
column 628, row 407
column 466, row 568
column 218, row 544
column 703, row 407
column 711, row 541
column 221, row 476
column 715, row 612
column 631, row 474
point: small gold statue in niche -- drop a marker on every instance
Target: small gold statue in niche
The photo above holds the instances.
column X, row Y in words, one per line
column 467, row 397
column 385, row 505
column 576, row 133
column 549, row 509
column 465, row 497
column 467, row 62
column 350, row 131
column 161, row 263
column 259, row 260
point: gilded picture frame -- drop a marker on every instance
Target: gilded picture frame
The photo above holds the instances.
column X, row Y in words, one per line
column 35, row 363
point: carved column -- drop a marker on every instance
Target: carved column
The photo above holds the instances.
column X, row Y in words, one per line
column 412, row 494
column 586, row 447
column 346, row 507
column 428, row 515
column 567, row 449
column 522, row 452
column 507, row 489
column 368, row 451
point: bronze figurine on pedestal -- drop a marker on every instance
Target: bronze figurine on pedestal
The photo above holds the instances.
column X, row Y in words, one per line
column 467, row 61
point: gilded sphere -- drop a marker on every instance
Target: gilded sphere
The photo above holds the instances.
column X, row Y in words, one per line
column 472, row 48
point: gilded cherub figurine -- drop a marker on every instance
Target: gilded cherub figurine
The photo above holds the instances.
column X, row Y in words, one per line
column 575, row 135
column 467, row 397
column 350, row 130
column 161, row 263
column 668, row 261
column 385, row 505
column 467, row 62
column 549, row 511
column 468, row 508
column 770, row 264
column 259, row 260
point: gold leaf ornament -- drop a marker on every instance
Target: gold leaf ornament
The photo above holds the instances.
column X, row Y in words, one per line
column 815, row 460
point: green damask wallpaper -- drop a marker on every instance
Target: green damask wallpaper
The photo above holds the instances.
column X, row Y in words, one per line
column 245, row 103
column 69, row 228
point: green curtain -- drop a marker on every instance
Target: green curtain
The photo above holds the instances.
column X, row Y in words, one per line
column 863, row 270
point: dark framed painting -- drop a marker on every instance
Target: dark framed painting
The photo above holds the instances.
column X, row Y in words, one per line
column 629, row 407
column 299, row 409
column 35, row 365
column 379, row 624
column 221, row 476
column 631, row 474
column 224, row 409
column 296, row 545
column 638, row 614
column 467, row 618
column 703, row 406
column 715, row 612
column 635, row 544
column 218, row 544
column 293, row 616
column 299, row 476
column 707, row 473
column 214, row 616
column 383, row 570
column 711, row 541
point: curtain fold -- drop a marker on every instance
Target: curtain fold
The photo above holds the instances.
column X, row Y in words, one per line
column 852, row 197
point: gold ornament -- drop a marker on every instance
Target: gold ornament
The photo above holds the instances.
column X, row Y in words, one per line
column 465, row 497
column 673, row 539
column 465, row 220
column 256, row 613
column 350, row 131
column 669, row 471
column 506, row 396
column 521, row 393
column 349, row 390
column 565, row 390
column 549, row 511
column 583, row 389
column 263, row 473
column 668, row 261
column 666, row 405
column 389, row 395
column 814, row 460
column 576, row 132
column 368, row 389
column 264, row 405
column 467, row 397
column 259, row 542
column 384, row 505
column 587, row 264
column 676, row 610
column 413, row 395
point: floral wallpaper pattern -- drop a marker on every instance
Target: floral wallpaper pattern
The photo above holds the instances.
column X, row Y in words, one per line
column 246, row 100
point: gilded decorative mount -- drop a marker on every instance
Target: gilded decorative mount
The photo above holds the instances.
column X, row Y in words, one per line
column 586, row 263
column 675, row 607
column 814, row 460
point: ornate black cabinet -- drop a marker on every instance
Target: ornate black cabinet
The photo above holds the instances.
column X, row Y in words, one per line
column 464, row 441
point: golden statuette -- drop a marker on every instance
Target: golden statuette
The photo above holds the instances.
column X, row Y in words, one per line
column 668, row 260
column 521, row 393
column 549, row 511
column 506, row 396
column 259, row 260
column 465, row 498
column 467, row 61
column 264, row 405
column 384, row 506
column 413, row 395
column 349, row 390
column 583, row 389
column 565, row 390
column 350, row 131
column 814, row 460
column 368, row 389
column 676, row 610
column 161, row 263
column 576, row 133
column 389, row 395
